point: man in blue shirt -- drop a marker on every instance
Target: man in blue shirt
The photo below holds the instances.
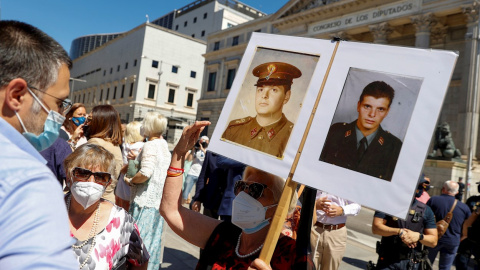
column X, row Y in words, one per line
column 441, row 205
column 34, row 86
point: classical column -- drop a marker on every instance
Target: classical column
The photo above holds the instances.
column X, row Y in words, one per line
column 438, row 34
column 423, row 24
column 380, row 32
column 469, row 95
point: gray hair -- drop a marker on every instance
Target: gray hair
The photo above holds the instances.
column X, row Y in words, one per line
column 89, row 156
column 205, row 138
column 154, row 123
column 28, row 53
column 450, row 187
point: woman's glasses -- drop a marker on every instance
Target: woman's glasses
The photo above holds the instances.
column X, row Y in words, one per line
column 82, row 174
column 254, row 189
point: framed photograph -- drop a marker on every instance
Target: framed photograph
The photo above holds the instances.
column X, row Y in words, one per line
column 370, row 122
column 268, row 104
column 333, row 159
column 265, row 114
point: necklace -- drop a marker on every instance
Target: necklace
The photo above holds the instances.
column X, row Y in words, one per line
column 246, row 255
column 91, row 235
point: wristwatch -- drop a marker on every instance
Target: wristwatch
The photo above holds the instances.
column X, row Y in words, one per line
column 420, row 237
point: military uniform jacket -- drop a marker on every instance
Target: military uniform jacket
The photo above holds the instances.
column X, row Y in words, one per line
column 379, row 159
column 271, row 139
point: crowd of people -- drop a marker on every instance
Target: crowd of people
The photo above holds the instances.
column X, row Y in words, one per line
column 80, row 190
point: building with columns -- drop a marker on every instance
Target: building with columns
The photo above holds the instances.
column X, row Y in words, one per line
column 149, row 68
column 438, row 24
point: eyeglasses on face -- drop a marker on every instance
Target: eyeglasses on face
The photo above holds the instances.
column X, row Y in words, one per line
column 82, row 174
column 64, row 107
column 254, row 189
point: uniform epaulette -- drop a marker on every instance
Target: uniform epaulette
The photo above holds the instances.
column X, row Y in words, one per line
column 240, row 121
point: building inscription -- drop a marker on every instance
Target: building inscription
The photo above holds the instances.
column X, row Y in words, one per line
column 379, row 14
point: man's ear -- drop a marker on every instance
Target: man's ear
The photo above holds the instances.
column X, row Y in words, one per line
column 287, row 96
column 14, row 95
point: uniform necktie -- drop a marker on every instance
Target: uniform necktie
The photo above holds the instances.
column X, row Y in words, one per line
column 362, row 148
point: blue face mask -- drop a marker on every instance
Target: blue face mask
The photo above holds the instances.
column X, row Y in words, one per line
column 78, row 120
column 51, row 128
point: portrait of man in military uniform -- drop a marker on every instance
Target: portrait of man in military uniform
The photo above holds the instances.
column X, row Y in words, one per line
column 363, row 145
column 270, row 129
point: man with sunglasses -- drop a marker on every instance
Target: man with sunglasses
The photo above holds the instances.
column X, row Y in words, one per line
column 34, row 86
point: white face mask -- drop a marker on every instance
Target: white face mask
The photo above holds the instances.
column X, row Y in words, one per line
column 86, row 193
column 249, row 214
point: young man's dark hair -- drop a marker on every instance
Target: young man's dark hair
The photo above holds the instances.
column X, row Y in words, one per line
column 378, row 89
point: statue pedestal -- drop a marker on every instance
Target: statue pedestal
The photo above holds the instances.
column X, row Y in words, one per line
column 440, row 171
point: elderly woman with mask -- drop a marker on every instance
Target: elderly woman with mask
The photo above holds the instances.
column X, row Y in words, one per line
column 226, row 245
column 106, row 235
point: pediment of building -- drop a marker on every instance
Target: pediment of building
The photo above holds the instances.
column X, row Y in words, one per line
column 306, row 11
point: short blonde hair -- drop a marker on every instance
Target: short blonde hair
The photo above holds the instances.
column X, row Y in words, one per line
column 154, row 123
column 89, row 156
column 132, row 132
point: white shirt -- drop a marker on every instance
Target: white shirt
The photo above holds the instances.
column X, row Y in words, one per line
column 349, row 209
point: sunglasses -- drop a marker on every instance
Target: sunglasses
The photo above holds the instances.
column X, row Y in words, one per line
column 82, row 174
column 254, row 189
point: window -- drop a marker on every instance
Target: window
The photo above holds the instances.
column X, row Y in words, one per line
column 131, row 89
column 190, row 100
column 258, row 30
column 185, row 24
column 88, row 98
column 212, row 76
column 111, row 70
column 108, row 93
column 83, row 101
column 230, row 77
column 101, row 95
column 216, row 46
column 118, row 68
column 154, row 63
column 235, row 41
column 151, row 91
column 204, row 15
column 128, row 117
column 174, row 69
column 126, row 65
column 229, row 25
column 135, row 62
column 195, row 20
column 193, row 74
column 176, row 27
column 123, row 91
column 193, row 35
column 171, row 95
column 104, row 72
column 203, row 33
column 115, row 92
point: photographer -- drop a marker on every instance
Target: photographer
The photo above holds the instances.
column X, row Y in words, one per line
column 197, row 156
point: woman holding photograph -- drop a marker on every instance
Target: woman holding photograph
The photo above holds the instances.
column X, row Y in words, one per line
column 235, row 244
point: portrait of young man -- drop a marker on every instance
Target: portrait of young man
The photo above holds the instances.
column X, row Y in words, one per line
column 360, row 142
column 262, row 121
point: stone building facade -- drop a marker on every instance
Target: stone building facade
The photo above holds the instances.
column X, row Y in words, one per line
column 438, row 24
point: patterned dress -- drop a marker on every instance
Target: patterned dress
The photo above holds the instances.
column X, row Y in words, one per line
column 146, row 197
column 120, row 238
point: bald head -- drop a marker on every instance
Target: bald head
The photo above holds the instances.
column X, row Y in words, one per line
column 450, row 188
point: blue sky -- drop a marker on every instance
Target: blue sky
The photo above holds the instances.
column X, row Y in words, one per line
column 66, row 20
